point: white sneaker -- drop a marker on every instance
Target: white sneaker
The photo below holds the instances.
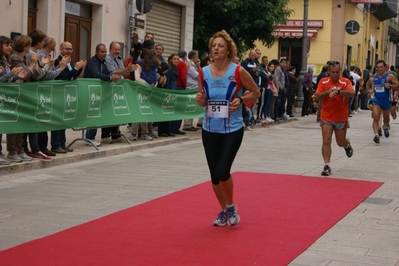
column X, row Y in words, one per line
column 153, row 134
column 232, row 216
column 4, row 160
column 359, row 109
column 285, row 116
column 147, row 136
column 14, row 158
column 248, row 129
column 96, row 143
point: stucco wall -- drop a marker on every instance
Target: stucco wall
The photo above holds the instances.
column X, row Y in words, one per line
column 109, row 20
column 332, row 41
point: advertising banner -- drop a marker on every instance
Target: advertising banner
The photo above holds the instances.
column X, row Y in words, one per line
column 86, row 103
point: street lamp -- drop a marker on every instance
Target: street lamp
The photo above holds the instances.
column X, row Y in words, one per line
column 304, row 63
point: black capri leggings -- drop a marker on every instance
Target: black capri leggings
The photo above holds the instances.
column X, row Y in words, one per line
column 220, row 151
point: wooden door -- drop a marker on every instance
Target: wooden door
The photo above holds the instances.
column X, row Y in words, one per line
column 31, row 19
column 78, row 33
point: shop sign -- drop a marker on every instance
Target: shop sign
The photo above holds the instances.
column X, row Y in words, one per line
column 366, row 1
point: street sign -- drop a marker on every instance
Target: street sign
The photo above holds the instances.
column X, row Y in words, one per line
column 144, row 6
column 139, row 23
column 352, row 27
column 135, row 22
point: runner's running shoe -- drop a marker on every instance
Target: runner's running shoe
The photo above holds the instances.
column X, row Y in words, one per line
column 386, row 131
column 221, row 220
column 326, row 170
column 376, row 139
column 349, row 150
column 232, row 216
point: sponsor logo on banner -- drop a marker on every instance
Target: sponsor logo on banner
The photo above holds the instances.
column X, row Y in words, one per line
column 191, row 104
column 143, row 99
column 95, row 95
column 119, row 101
column 9, row 104
column 169, row 104
column 44, row 103
column 71, row 102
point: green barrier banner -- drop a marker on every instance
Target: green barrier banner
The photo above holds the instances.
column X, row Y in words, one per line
column 86, row 103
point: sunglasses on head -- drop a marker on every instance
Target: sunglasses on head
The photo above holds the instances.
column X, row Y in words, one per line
column 333, row 63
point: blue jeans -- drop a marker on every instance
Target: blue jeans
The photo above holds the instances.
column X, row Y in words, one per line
column 33, row 142
column 58, row 139
column 247, row 117
column 268, row 103
column 281, row 107
column 91, row 133
column 174, row 126
column 42, row 140
column 350, row 103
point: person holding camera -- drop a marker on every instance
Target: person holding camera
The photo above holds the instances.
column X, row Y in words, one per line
column 251, row 65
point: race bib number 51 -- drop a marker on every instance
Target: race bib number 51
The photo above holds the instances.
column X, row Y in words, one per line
column 218, row 108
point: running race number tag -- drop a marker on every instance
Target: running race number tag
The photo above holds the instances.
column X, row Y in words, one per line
column 379, row 88
column 219, row 108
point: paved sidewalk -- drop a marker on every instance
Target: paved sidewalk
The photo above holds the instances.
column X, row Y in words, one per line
column 82, row 152
column 38, row 202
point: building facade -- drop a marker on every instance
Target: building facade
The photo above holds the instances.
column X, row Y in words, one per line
column 87, row 23
column 349, row 31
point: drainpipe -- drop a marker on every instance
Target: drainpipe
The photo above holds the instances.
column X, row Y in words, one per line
column 128, row 29
column 304, row 63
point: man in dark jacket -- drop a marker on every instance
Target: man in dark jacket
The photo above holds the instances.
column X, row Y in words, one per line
column 71, row 72
column 250, row 64
column 307, row 86
column 293, row 85
column 96, row 68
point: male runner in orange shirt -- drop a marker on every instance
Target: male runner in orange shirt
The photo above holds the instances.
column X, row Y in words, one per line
column 334, row 91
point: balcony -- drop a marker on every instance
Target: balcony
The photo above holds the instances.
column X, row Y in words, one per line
column 386, row 10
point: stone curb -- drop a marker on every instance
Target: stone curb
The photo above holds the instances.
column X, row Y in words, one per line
column 87, row 153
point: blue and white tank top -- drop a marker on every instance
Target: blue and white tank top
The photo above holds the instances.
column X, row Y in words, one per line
column 380, row 91
column 219, row 92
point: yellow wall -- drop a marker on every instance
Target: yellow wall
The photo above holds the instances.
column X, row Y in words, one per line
column 332, row 41
column 320, row 47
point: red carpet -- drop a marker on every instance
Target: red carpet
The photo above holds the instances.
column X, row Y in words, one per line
column 281, row 216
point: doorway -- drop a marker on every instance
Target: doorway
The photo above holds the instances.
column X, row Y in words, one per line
column 32, row 14
column 78, row 33
column 291, row 49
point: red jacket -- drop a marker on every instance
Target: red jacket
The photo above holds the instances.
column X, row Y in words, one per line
column 182, row 74
column 250, row 104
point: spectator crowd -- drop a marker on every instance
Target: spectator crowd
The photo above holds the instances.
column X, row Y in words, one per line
column 29, row 58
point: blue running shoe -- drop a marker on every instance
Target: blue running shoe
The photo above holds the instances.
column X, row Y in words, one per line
column 232, row 216
column 386, row 131
column 221, row 219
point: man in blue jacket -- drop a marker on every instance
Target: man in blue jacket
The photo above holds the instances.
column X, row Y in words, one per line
column 71, row 71
column 97, row 68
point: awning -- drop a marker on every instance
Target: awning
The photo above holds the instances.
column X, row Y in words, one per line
column 287, row 32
